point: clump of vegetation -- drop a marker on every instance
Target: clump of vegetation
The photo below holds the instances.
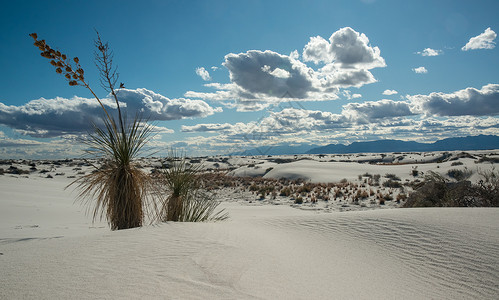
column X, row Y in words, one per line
column 185, row 200
column 392, row 184
column 392, row 177
column 459, row 175
column 437, row 191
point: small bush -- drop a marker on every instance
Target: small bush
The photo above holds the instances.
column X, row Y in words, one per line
column 456, row 163
column 392, row 177
column 392, row 184
column 459, row 175
column 299, row 200
column 285, row 192
column 184, row 199
column 436, row 191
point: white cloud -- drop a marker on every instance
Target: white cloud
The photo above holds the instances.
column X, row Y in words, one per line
column 390, row 92
column 470, row 101
column 206, row 127
column 350, row 96
column 317, row 50
column 294, row 54
column 371, row 110
column 351, row 49
column 420, row 117
column 346, row 47
column 205, row 75
column 420, row 70
column 259, row 79
column 277, row 72
column 430, row 52
column 60, row 116
column 482, row 41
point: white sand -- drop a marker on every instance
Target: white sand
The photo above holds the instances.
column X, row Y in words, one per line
column 51, row 250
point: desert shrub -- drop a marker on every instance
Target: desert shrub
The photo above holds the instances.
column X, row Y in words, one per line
column 456, row 163
column 437, row 191
column 392, row 184
column 286, row 191
column 401, row 197
column 392, row 177
column 1, row 171
column 487, row 188
column 299, row 200
column 184, row 199
column 459, row 175
column 253, row 187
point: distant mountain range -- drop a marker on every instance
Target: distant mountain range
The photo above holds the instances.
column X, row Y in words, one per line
column 480, row 142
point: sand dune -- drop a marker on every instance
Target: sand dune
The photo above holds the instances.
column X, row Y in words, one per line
column 268, row 252
column 50, row 249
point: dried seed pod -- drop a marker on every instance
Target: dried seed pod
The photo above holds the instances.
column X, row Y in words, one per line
column 68, row 69
column 63, row 56
column 52, row 62
column 47, row 54
column 80, row 71
column 73, row 83
column 33, row 35
column 76, row 59
column 75, row 76
column 67, row 76
column 58, row 70
column 58, row 53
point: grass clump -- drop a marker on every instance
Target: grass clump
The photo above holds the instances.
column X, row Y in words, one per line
column 185, row 200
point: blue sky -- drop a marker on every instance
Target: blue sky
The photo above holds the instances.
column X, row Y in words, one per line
column 211, row 75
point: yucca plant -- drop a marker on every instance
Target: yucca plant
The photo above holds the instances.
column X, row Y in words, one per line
column 118, row 189
column 185, row 200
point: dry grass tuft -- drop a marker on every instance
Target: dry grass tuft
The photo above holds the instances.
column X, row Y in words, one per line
column 185, row 199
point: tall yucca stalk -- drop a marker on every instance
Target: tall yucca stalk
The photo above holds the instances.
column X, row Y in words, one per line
column 119, row 188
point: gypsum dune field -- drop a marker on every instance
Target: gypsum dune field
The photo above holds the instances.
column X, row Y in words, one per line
column 269, row 248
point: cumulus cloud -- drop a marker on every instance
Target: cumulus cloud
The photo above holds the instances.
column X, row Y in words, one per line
column 330, row 76
column 317, row 50
column 483, row 41
column 351, row 49
column 390, row 92
column 60, row 116
column 277, row 72
column 419, row 117
column 420, row 70
column 345, row 47
column 247, row 72
column 259, row 79
column 206, row 127
column 469, row 101
column 371, row 110
column 350, row 96
column 294, row 54
column 203, row 73
column 430, row 52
